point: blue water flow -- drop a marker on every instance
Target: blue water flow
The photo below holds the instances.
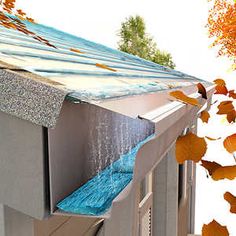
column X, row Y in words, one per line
column 95, row 197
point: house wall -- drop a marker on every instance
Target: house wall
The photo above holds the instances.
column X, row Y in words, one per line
column 22, row 166
column 165, row 190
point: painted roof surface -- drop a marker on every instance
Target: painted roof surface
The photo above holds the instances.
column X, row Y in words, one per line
column 79, row 73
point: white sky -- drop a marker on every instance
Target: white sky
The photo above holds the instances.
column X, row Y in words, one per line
column 177, row 27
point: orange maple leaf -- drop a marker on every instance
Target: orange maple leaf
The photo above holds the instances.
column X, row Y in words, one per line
column 225, row 107
column 232, row 94
column 214, row 229
column 221, row 90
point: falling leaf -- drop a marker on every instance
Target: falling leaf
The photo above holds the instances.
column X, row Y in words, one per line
column 212, row 139
column 190, row 147
column 230, row 143
column 231, row 116
column 202, row 90
column 214, row 229
column 224, row 172
column 221, row 90
column 225, row 107
column 232, row 94
column 219, row 172
column 184, row 98
column 76, row 50
column 220, row 87
column 105, row 67
column 231, row 199
column 210, row 166
column 219, row 82
column 205, row 116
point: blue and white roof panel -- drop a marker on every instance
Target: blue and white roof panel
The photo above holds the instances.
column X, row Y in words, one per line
column 78, row 74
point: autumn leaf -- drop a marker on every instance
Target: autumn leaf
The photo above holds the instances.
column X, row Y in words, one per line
column 225, row 107
column 232, row 94
column 220, row 87
column 204, row 116
column 231, row 116
column 76, row 50
column 219, row 172
column 214, row 229
column 105, row 67
column 12, row 18
column 221, row 90
column 179, row 95
column 224, row 172
column 231, row 199
column 219, row 82
column 202, row 90
column 212, row 139
column 230, row 143
column 210, row 166
column 190, row 147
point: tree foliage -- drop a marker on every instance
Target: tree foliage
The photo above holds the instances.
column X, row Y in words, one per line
column 136, row 41
column 222, row 27
column 15, row 19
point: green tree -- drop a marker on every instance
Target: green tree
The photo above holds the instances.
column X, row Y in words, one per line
column 135, row 40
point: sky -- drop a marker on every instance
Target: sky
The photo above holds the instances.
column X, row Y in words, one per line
column 179, row 28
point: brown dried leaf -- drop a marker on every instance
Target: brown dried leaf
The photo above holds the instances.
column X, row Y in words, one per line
column 230, row 143
column 231, row 199
column 210, row 166
column 231, row 116
column 225, row 107
column 202, row 90
column 214, row 229
column 232, row 94
column 105, row 67
column 212, row 139
column 190, row 147
column 204, row 116
column 221, row 90
column 179, row 95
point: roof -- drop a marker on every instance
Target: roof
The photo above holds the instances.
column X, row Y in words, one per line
column 77, row 69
